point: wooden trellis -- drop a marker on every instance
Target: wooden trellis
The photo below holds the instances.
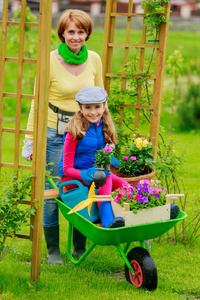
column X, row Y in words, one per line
column 41, row 94
column 40, row 120
column 110, row 34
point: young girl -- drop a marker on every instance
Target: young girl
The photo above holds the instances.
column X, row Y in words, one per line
column 90, row 129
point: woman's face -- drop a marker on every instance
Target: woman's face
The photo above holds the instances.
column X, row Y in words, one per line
column 92, row 112
column 74, row 37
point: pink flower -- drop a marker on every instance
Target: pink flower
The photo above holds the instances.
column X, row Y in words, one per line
column 133, row 158
column 125, row 157
column 126, row 185
column 129, row 196
column 117, row 198
column 144, row 181
column 108, row 149
column 122, row 192
column 137, row 197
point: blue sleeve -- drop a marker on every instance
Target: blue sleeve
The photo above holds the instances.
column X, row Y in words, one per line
column 61, row 173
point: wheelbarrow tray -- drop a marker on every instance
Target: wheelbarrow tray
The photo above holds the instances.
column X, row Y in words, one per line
column 116, row 236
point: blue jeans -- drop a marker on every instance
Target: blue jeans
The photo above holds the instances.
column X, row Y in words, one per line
column 53, row 155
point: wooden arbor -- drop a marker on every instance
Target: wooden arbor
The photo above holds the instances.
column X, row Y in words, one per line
column 155, row 49
column 41, row 94
column 40, row 121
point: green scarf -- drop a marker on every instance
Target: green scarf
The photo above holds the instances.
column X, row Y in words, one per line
column 71, row 57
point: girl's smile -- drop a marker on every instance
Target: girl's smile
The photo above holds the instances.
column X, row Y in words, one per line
column 93, row 112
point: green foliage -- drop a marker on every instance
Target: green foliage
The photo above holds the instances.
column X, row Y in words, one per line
column 174, row 67
column 170, row 164
column 174, row 64
column 103, row 156
column 154, row 16
column 188, row 109
column 13, row 191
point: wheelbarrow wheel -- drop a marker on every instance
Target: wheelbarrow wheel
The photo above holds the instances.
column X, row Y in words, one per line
column 144, row 268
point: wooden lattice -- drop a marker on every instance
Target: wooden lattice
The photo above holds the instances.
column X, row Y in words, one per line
column 158, row 46
column 40, row 121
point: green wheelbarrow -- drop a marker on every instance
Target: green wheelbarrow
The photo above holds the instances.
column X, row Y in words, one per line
column 140, row 268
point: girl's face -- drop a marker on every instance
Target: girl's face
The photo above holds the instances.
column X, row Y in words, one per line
column 92, row 112
column 74, row 37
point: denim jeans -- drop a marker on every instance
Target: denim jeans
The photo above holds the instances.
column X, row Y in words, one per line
column 53, row 155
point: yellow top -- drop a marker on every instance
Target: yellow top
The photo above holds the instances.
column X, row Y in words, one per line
column 64, row 86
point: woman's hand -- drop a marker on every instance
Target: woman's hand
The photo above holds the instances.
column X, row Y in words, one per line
column 27, row 150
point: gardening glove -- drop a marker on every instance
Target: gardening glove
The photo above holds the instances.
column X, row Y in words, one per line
column 114, row 162
column 27, row 150
column 87, row 175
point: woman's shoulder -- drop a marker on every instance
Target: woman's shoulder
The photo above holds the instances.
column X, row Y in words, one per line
column 93, row 54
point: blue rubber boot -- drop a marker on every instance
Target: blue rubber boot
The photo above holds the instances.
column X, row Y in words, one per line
column 174, row 211
column 107, row 218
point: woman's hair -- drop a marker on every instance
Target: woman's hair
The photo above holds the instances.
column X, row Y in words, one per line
column 81, row 19
column 79, row 125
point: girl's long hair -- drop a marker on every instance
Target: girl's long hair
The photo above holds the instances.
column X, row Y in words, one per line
column 78, row 126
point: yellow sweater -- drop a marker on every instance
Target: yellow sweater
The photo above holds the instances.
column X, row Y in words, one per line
column 64, row 86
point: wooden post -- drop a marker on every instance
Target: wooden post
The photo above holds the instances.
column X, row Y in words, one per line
column 158, row 82
column 2, row 67
column 41, row 133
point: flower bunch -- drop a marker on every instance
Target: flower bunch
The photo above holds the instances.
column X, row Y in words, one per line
column 146, row 194
column 139, row 159
column 103, row 156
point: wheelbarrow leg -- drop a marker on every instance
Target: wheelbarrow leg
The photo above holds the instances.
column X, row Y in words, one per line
column 123, row 255
column 69, row 238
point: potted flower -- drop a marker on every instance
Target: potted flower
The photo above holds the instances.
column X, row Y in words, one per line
column 138, row 161
column 146, row 202
column 103, row 157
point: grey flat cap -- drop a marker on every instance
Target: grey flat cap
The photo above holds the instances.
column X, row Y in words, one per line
column 91, row 94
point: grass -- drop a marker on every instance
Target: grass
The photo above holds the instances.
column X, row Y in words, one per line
column 102, row 274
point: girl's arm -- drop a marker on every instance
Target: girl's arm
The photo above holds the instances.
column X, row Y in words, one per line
column 68, row 157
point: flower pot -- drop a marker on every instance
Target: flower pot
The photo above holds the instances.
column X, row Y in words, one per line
column 133, row 179
column 154, row 214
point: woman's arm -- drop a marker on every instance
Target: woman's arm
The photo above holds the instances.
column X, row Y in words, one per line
column 68, row 157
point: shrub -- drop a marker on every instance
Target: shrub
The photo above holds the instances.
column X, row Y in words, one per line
column 13, row 191
column 188, row 110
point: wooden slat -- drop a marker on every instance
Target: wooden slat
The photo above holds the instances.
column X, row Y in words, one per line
column 14, row 95
column 25, row 60
column 27, row 24
column 9, row 165
column 111, row 45
column 137, row 106
column 22, row 236
column 19, row 83
column 12, row 130
column 129, row 14
column 139, row 87
column 2, row 68
column 125, row 76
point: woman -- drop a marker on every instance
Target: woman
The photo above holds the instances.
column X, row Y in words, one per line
column 72, row 67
